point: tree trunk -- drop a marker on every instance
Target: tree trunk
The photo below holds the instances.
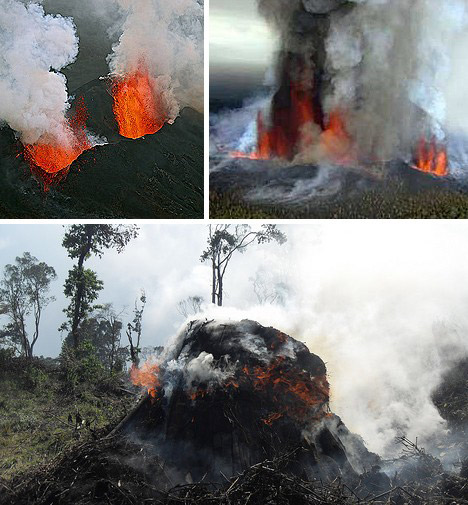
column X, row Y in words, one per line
column 220, row 288
column 79, row 294
column 213, row 282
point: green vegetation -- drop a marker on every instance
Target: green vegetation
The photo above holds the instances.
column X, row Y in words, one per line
column 47, row 406
column 394, row 203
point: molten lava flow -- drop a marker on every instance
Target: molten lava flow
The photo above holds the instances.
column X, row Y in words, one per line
column 431, row 158
column 53, row 157
column 137, row 109
column 146, row 376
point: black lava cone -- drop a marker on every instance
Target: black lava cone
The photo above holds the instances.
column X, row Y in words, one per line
column 156, row 176
column 230, row 395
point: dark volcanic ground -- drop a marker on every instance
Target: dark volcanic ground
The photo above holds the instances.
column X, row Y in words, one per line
column 157, row 176
column 258, row 188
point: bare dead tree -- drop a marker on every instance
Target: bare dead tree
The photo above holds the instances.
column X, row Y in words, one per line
column 134, row 329
column 191, row 305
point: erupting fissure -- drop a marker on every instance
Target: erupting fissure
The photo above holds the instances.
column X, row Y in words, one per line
column 431, row 158
column 138, row 108
column 297, row 123
column 54, row 156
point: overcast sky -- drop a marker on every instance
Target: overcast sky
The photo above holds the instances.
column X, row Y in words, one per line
column 239, row 36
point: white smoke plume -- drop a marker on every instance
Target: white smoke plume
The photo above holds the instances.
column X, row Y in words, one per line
column 388, row 55
column 168, row 38
column 385, row 308
column 389, row 65
column 34, row 47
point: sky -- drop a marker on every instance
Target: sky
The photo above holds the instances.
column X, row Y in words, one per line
column 239, row 36
column 159, row 261
column 383, row 303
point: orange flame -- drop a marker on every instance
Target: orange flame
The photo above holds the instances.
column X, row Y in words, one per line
column 137, row 108
column 432, row 158
column 308, row 395
column 52, row 157
column 146, row 376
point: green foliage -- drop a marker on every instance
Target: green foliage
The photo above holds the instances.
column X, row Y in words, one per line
column 82, row 285
column 23, row 291
column 6, row 355
column 103, row 329
column 95, row 238
column 89, row 285
column 81, row 366
column 34, row 425
column 36, row 377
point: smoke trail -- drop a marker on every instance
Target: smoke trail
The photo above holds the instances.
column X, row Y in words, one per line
column 167, row 37
column 34, row 47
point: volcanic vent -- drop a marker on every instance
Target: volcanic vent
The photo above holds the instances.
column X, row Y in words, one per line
column 225, row 396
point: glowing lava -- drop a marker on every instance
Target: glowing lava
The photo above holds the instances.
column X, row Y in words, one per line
column 54, row 156
column 137, row 108
column 301, row 126
column 431, row 158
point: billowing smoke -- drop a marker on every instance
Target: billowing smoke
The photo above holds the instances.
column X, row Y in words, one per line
column 384, row 64
column 34, row 47
column 385, row 308
column 167, row 39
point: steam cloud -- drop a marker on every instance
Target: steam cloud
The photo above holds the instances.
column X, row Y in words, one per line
column 168, row 38
column 387, row 63
column 34, row 47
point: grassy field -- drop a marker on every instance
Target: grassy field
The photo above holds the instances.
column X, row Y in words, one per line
column 38, row 415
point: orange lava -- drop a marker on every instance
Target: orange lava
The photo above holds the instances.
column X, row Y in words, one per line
column 53, row 157
column 287, row 134
column 335, row 139
column 146, row 376
column 137, row 109
column 431, row 158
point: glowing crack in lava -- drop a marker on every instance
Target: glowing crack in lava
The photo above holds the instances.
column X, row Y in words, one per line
column 137, row 108
column 52, row 157
column 431, row 158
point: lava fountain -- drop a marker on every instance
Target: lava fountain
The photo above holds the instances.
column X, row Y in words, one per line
column 53, row 156
column 137, row 108
column 431, row 158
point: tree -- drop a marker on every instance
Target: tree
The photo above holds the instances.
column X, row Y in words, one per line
column 24, row 291
column 269, row 289
column 224, row 240
column 82, row 285
column 191, row 305
column 103, row 328
column 135, row 328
